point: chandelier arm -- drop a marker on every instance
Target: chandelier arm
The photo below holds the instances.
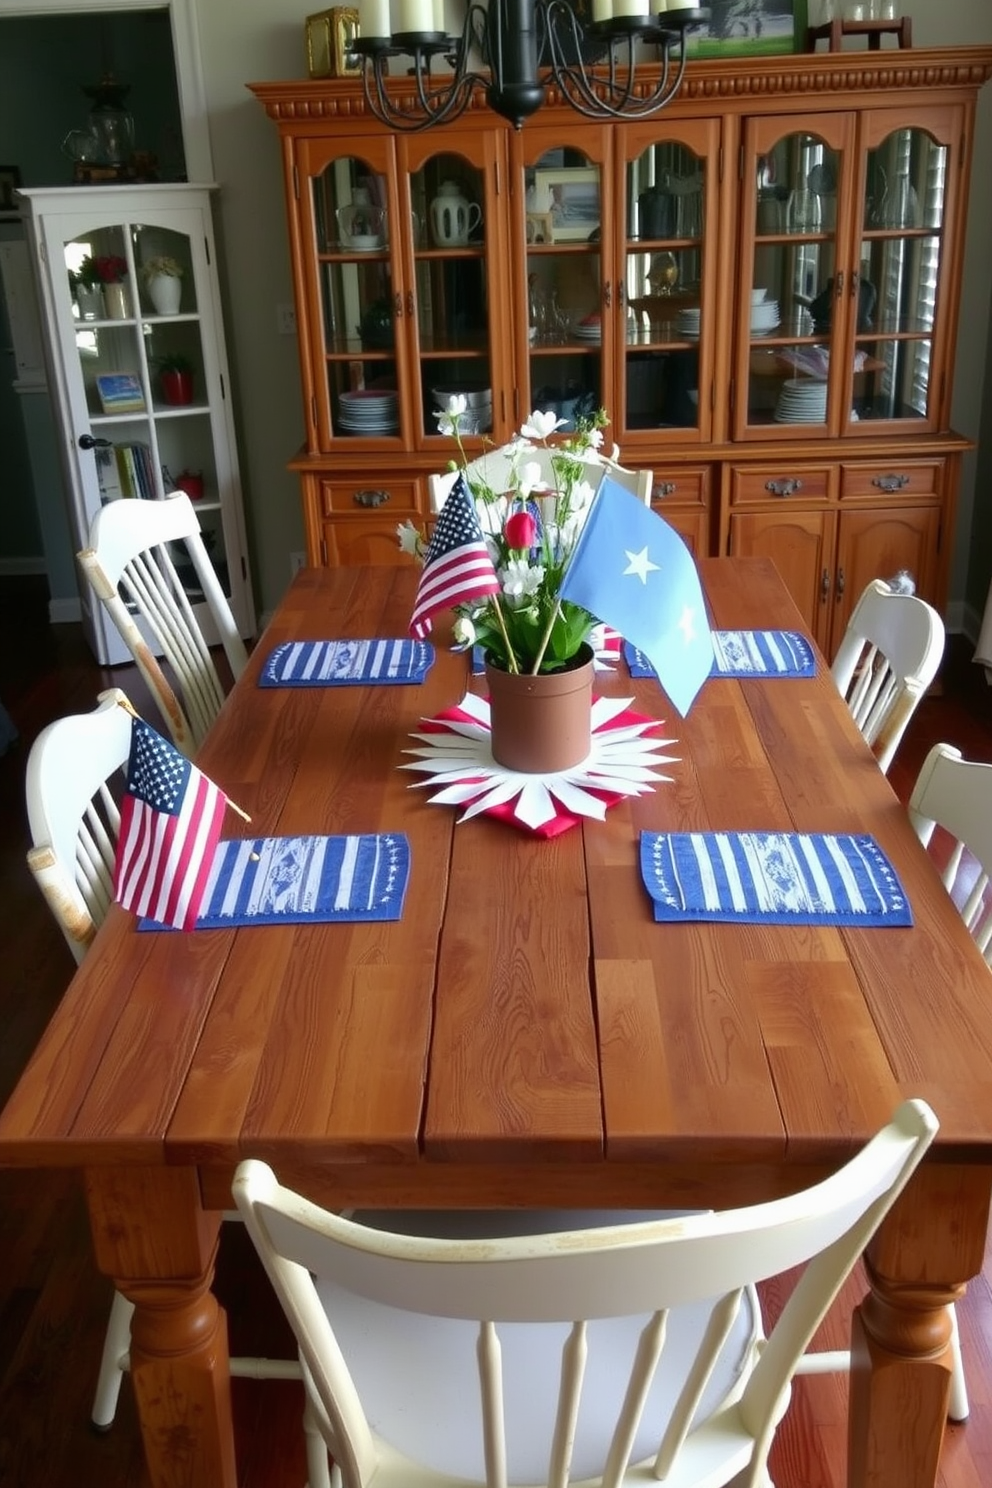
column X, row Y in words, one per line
column 598, row 99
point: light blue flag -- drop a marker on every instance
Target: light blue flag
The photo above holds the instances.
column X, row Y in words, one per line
column 633, row 571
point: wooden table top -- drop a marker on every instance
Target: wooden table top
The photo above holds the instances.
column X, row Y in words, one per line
column 526, row 1029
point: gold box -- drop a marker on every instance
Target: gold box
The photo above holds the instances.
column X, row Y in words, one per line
column 329, row 35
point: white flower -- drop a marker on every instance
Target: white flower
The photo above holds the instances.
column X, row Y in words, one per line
column 410, row 539
column 457, row 404
column 519, row 579
column 539, row 425
column 595, row 438
column 464, row 631
column 583, row 495
column 530, row 479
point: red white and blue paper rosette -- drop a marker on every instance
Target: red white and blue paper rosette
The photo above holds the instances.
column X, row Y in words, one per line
column 454, row 752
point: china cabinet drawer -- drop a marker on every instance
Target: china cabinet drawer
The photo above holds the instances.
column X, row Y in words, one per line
column 690, row 486
column 369, row 494
column 785, row 481
column 897, row 478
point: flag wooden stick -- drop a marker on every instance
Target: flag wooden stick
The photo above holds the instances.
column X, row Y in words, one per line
column 546, row 638
column 128, row 708
column 510, row 654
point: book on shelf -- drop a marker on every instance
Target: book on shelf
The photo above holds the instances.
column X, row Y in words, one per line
column 120, row 392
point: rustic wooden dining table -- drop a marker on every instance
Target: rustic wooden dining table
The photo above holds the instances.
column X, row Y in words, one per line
column 525, row 1034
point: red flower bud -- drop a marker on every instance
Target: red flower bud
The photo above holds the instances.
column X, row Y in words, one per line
column 520, row 530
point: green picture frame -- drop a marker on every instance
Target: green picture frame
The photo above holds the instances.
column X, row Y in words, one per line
column 749, row 28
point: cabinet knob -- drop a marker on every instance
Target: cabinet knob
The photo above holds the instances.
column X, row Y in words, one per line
column 787, row 487
column 841, row 583
column 607, row 295
column 371, row 498
column 663, row 488
column 87, row 441
column 825, row 586
column 890, row 482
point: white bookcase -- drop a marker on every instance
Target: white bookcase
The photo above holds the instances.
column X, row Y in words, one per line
column 149, row 445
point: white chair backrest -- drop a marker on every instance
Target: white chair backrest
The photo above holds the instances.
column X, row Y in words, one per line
column 573, row 1279
column 890, row 653
column 496, row 467
column 955, row 794
column 129, row 547
column 73, row 813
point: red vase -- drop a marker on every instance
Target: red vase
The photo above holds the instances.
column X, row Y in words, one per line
column 177, row 387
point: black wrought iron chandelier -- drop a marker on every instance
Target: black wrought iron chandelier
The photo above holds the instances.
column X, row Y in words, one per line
column 523, row 46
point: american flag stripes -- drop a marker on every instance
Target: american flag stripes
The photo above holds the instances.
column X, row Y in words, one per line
column 170, row 824
column 457, row 565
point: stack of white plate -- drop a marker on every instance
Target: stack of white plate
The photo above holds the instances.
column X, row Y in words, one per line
column 764, row 317
column 802, row 401
column 687, row 323
column 589, row 329
column 369, row 411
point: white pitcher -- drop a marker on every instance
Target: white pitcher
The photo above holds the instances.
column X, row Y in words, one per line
column 453, row 218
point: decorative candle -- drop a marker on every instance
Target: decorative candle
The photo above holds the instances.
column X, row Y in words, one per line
column 630, row 7
column 602, row 10
column 414, row 15
column 658, row 7
column 373, row 18
column 438, row 9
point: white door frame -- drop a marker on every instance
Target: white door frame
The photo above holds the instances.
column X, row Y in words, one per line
column 189, row 66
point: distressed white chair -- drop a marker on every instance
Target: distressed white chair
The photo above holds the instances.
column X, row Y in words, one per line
column 955, row 794
column 76, row 774
column 890, row 653
column 659, row 1381
column 496, row 466
column 129, row 567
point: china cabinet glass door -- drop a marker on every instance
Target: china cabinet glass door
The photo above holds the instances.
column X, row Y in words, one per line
column 667, row 289
column 458, row 310
column 794, row 304
column 901, row 266
column 568, row 285
column 356, row 348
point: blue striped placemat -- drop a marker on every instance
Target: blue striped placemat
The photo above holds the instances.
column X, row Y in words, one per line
column 778, row 878
column 745, row 653
column 347, row 663
column 286, row 880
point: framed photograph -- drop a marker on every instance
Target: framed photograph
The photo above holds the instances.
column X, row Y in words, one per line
column 10, row 179
column 749, row 28
column 540, row 228
column 570, row 197
column 329, row 35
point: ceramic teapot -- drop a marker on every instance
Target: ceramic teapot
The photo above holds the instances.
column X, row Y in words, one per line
column 453, row 218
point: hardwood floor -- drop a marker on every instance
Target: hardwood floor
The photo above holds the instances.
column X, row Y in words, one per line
column 53, row 1304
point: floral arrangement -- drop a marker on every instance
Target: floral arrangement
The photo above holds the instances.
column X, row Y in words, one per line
column 171, row 268
column 106, row 268
column 530, row 528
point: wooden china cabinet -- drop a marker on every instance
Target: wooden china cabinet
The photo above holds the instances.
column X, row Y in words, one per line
column 761, row 285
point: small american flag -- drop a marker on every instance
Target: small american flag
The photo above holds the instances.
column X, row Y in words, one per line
column 170, row 824
column 457, row 566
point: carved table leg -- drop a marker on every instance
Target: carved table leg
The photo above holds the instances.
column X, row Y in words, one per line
column 932, row 1242
column 152, row 1235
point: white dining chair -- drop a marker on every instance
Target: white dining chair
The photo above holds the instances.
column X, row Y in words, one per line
column 496, row 469
column 887, row 659
column 617, row 1354
column 76, row 774
column 129, row 566
column 955, row 795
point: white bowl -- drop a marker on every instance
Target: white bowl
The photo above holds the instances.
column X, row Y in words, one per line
column 366, row 242
column 757, row 295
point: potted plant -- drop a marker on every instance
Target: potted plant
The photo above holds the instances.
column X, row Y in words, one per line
column 109, row 272
column 163, row 280
column 175, row 375
column 537, row 653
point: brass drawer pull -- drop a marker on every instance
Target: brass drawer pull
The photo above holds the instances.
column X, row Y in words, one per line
column 890, row 482
column 664, row 488
column 787, row 487
column 371, row 498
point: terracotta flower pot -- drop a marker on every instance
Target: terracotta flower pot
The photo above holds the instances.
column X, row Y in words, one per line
column 541, row 724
